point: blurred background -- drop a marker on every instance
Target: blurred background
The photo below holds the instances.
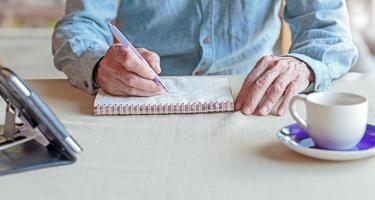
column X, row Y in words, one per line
column 26, row 27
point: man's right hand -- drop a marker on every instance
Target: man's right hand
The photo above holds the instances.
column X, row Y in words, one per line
column 122, row 73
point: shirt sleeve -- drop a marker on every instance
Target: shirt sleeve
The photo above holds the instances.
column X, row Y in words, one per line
column 321, row 38
column 81, row 38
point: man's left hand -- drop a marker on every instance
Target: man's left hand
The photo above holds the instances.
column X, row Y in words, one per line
column 273, row 82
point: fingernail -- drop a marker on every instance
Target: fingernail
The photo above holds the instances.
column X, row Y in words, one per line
column 246, row 111
column 281, row 111
column 151, row 75
column 263, row 110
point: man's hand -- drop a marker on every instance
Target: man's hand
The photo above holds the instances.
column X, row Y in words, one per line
column 122, row 73
column 274, row 80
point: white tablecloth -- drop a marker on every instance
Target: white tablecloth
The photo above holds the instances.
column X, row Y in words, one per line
column 209, row 156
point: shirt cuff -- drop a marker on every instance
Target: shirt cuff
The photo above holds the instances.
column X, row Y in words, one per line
column 80, row 71
column 94, row 75
column 322, row 80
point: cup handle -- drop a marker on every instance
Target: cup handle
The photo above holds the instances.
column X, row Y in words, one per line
column 293, row 111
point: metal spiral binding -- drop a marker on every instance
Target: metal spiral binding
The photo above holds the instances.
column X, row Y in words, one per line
column 152, row 109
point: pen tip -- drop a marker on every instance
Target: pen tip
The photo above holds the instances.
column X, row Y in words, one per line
column 163, row 86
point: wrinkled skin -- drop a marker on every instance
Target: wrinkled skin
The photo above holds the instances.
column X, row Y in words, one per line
column 271, row 85
column 122, row 73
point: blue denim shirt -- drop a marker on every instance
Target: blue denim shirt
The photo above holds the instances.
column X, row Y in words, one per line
column 203, row 37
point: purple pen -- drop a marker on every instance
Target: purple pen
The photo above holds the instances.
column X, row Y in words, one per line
column 122, row 39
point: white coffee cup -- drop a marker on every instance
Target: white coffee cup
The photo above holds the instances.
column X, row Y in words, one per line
column 335, row 121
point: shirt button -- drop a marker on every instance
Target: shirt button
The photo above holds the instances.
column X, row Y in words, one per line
column 207, row 40
column 199, row 72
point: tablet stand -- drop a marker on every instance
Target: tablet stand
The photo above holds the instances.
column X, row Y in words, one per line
column 17, row 133
column 24, row 147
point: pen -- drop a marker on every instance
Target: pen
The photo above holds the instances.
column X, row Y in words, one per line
column 122, row 39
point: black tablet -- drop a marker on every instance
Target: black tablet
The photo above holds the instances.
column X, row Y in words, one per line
column 24, row 103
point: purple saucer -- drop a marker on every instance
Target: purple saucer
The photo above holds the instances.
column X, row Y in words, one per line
column 298, row 135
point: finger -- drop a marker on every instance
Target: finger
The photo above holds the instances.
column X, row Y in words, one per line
column 126, row 92
column 152, row 59
column 274, row 93
column 113, row 87
column 135, row 81
column 130, row 91
column 116, row 77
column 131, row 61
column 296, row 86
column 260, row 86
column 258, row 70
column 141, row 93
column 290, row 92
column 118, row 88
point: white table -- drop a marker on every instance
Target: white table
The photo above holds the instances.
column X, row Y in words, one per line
column 209, row 156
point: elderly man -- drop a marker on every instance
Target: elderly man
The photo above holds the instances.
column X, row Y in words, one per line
column 201, row 37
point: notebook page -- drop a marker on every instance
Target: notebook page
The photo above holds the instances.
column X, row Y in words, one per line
column 181, row 90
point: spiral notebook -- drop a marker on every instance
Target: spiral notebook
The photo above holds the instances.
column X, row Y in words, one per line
column 186, row 95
